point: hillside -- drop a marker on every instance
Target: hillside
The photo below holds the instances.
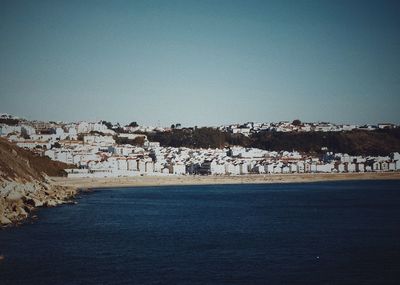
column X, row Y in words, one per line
column 23, row 165
column 357, row 142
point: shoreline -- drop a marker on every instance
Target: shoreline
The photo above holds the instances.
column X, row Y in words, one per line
column 19, row 200
column 18, row 206
column 174, row 180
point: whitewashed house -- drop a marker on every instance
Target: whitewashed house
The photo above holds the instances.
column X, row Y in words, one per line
column 300, row 167
column 122, row 164
column 360, row 167
column 217, row 168
column 123, row 150
column 72, row 134
column 178, row 169
column 99, row 140
column 149, row 166
column 325, row 168
column 132, row 164
column 232, row 168
column 313, row 167
column 395, row 156
column 28, row 130
column 384, row 166
column 351, row 167
column 376, row 166
column 292, row 168
column 341, row 167
column 34, row 144
column 260, row 168
column 142, row 166
column 270, row 167
column 243, row 168
column 285, row 169
column 307, row 167
column 6, row 129
column 158, row 166
column 278, row 168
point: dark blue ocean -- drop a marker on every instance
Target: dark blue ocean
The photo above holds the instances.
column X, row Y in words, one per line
column 314, row 233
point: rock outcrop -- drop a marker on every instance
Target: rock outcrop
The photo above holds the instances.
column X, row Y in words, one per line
column 17, row 200
column 24, row 184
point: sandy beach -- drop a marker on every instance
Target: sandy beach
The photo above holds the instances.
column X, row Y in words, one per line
column 204, row 180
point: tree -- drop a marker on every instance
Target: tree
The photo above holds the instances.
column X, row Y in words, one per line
column 109, row 125
column 139, row 141
column 24, row 134
column 296, row 122
column 56, row 145
column 172, row 126
column 133, row 124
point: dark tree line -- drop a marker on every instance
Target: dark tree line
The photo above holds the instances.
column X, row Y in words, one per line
column 357, row 142
column 138, row 141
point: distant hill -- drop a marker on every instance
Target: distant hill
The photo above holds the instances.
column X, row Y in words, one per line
column 356, row 142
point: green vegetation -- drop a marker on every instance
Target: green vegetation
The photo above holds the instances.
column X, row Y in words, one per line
column 138, row 141
column 296, row 122
column 195, row 138
column 357, row 142
column 10, row 122
column 56, row 145
column 109, row 125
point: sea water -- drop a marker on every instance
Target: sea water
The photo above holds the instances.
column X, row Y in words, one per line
column 311, row 233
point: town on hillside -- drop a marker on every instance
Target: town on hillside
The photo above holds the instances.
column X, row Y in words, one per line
column 102, row 149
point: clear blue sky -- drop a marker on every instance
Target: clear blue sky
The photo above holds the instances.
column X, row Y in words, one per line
column 201, row 62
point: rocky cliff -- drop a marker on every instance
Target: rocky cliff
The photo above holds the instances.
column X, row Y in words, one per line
column 25, row 184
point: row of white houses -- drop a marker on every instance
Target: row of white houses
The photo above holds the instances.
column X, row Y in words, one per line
column 122, row 166
column 279, row 167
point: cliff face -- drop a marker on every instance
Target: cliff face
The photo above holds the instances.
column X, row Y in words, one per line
column 24, row 184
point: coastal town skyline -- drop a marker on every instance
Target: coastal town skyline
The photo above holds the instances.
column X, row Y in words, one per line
column 201, row 62
column 168, row 125
column 103, row 149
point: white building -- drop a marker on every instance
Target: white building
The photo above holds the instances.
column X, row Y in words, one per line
column 360, row 167
column 384, row 166
column 178, row 169
column 149, row 166
column 341, row 167
column 6, row 130
column 325, row 168
column 99, row 140
column 376, row 166
column 217, row 168
column 351, row 167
